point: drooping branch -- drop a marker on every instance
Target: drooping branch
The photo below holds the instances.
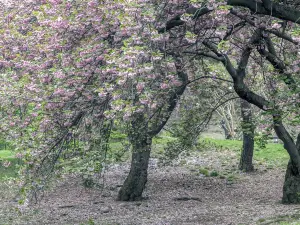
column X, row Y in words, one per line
column 173, row 99
column 272, row 31
column 245, row 93
column 176, row 21
column 278, row 64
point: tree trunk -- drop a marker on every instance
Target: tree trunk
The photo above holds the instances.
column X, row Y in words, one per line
column 141, row 135
column 248, row 137
column 135, row 182
column 228, row 136
column 291, row 186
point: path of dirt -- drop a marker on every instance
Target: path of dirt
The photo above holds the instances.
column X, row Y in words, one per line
column 175, row 196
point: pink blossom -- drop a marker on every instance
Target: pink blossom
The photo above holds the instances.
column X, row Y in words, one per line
column 144, row 101
column 140, row 87
column 19, row 155
column 59, row 75
column 59, row 91
column 102, row 94
column 176, row 83
column 34, row 114
column 164, row 86
column 55, row 2
column 276, row 26
column 92, row 4
column 153, row 106
column 67, row 124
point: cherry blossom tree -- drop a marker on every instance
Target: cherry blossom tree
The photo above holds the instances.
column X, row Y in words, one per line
column 72, row 68
column 75, row 68
column 270, row 28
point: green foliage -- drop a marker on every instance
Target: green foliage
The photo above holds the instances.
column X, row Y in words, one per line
column 223, row 45
column 261, row 140
column 214, row 173
column 172, row 150
column 204, row 172
column 231, row 178
column 117, row 136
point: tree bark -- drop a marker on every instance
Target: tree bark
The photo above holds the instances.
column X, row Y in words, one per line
column 135, row 182
column 291, row 186
column 291, row 189
column 141, row 134
column 248, row 137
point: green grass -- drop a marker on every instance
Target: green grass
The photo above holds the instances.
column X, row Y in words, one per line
column 6, row 154
column 274, row 154
column 281, row 220
column 11, row 171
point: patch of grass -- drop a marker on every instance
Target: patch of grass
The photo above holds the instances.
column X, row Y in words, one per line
column 11, row 170
column 214, row 173
column 273, row 155
column 281, row 220
column 204, row 172
column 6, row 154
column 218, row 144
column 232, row 177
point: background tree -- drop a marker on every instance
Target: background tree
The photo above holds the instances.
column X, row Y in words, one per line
column 216, row 47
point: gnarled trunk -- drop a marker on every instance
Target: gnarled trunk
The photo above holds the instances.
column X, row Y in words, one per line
column 135, row 182
column 248, row 137
column 291, row 186
column 141, row 134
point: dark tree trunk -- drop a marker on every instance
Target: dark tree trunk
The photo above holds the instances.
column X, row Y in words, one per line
column 141, row 135
column 135, row 182
column 291, row 186
column 248, row 137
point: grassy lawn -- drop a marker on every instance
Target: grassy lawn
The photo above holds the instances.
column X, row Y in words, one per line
column 6, row 154
column 11, row 171
column 281, row 220
column 273, row 154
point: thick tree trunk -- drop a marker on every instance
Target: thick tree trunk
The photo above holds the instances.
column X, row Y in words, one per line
column 248, row 137
column 291, row 186
column 135, row 182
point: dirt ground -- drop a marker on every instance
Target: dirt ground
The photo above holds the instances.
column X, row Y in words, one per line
column 174, row 195
column 177, row 194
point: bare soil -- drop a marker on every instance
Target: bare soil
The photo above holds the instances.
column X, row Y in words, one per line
column 174, row 195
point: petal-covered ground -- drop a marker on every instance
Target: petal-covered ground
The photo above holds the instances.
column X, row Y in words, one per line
column 174, row 195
